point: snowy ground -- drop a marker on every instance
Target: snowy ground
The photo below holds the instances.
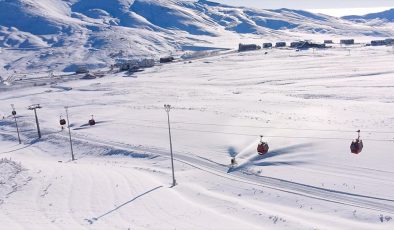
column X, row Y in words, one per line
column 307, row 104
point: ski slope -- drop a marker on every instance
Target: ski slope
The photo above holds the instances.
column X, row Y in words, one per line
column 307, row 104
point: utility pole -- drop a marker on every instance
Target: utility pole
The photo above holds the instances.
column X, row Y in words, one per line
column 35, row 107
column 168, row 108
column 16, row 123
column 69, row 133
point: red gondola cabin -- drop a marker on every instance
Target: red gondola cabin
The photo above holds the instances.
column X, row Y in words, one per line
column 92, row 121
column 357, row 145
column 263, row 147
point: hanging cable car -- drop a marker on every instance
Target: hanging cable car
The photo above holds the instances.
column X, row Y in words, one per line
column 13, row 112
column 263, row 147
column 62, row 121
column 92, row 121
column 357, row 145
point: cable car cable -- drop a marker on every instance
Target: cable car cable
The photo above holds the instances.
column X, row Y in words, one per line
column 266, row 127
column 254, row 135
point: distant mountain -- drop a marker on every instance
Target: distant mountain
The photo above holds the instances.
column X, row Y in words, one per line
column 387, row 15
column 62, row 34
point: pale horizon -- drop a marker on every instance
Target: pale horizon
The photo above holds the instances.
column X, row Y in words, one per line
column 333, row 8
column 340, row 12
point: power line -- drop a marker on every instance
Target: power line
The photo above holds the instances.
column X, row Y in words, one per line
column 255, row 135
column 266, row 127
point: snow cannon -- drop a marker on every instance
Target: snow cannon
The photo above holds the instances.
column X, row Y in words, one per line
column 92, row 121
column 263, row 147
column 357, row 145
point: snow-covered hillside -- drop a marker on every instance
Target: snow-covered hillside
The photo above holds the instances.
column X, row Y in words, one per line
column 12, row 178
column 387, row 16
column 62, row 34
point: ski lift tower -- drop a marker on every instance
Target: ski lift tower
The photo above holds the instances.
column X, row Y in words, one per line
column 35, row 107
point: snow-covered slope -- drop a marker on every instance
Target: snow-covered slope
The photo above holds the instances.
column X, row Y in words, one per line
column 387, row 15
column 307, row 104
column 62, row 34
column 12, row 178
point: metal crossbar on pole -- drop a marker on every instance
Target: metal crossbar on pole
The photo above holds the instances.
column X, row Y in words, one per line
column 35, row 107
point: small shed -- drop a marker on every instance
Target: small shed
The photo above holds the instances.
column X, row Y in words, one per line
column 296, row 44
column 127, row 64
column 280, row 44
column 328, row 42
column 378, row 43
column 167, row 59
column 308, row 45
column 248, row 47
column 347, row 42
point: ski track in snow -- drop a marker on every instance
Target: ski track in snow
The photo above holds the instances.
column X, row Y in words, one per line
column 356, row 200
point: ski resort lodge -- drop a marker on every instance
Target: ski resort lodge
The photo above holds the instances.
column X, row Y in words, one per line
column 378, row 43
column 347, row 42
column 306, row 45
column 248, row 47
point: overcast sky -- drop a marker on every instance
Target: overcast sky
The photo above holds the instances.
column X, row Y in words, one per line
column 333, row 7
